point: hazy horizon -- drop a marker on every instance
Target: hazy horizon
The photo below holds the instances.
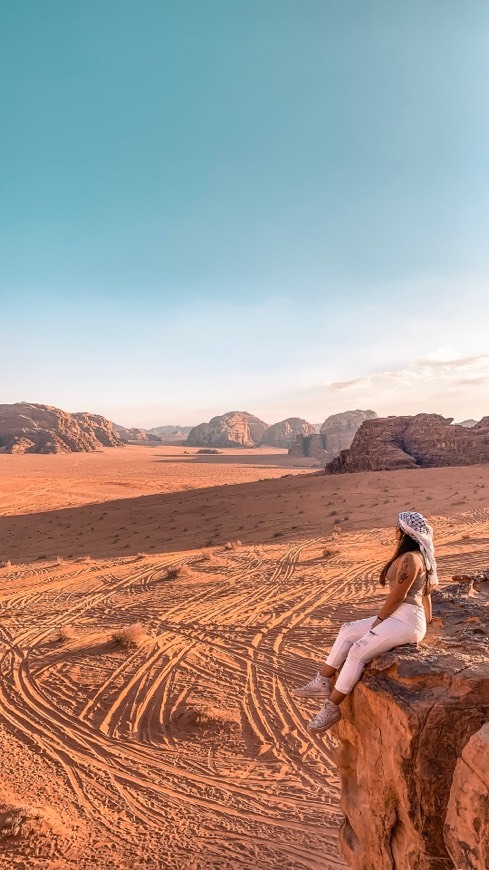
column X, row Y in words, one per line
column 278, row 207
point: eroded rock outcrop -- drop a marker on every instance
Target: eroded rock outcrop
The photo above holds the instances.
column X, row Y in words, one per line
column 336, row 434
column 422, row 441
column 234, row 429
column 31, row 428
column 284, row 433
column 407, row 730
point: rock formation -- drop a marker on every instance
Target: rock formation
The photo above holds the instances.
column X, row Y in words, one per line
column 31, row 428
column 423, row 441
column 283, row 434
column 336, row 434
column 413, row 747
column 133, row 434
column 467, row 821
column 234, row 429
column 168, row 431
column 467, row 423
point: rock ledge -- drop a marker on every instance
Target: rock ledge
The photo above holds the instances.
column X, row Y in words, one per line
column 412, row 796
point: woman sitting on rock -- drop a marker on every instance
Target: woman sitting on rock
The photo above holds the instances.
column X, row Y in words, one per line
column 411, row 574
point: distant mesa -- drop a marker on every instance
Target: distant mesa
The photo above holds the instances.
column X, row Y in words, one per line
column 31, row 428
column 422, row 441
column 336, row 434
column 129, row 435
column 283, row 434
column 234, row 429
column 169, row 431
column 467, row 423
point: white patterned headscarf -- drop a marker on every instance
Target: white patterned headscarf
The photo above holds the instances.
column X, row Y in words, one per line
column 416, row 526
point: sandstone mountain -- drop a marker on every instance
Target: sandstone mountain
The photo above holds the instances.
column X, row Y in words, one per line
column 417, row 795
column 336, row 434
column 283, row 434
column 31, row 428
column 234, row 429
column 422, row 441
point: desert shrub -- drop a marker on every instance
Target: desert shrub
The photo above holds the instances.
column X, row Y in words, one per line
column 232, row 545
column 7, row 564
column 130, row 635
column 329, row 552
column 141, row 556
column 14, row 819
column 60, row 560
column 65, row 633
column 179, row 572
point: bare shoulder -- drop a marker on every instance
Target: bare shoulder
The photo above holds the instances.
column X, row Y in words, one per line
column 408, row 566
column 412, row 559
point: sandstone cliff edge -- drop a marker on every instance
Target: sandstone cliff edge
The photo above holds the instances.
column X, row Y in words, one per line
column 413, row 753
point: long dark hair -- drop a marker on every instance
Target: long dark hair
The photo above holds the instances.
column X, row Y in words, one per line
column 407, row 544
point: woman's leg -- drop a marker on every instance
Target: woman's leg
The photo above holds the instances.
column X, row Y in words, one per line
column 386, row 636
column 348, row 634
column 319, row 686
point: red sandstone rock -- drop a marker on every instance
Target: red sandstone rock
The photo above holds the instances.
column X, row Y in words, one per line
column 283, row 434
column 234, row 429
column 31, row 428
column 426, row 440
column 405, row 728
column 337, row 433
column 467, row 822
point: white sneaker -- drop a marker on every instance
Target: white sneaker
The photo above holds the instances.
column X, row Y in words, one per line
column 318, row 687
column 327, row 716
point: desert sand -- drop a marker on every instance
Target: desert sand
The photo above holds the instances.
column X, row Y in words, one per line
column 189, row 749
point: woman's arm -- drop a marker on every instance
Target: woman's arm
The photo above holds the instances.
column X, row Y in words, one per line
column 427, row 607
column 406, row 574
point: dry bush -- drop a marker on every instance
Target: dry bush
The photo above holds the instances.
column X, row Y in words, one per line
column 130, row 635
column 29, row 823
column 60, row 560
column 207, row 556
column 7, row 564
column 141, row 556
column 329, row 552
column 179, row 572
column 206, row 717
column 232, row 545
column 14, row 819
column 65, row 633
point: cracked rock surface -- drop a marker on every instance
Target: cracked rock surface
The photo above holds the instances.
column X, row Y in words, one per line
column 413, row 794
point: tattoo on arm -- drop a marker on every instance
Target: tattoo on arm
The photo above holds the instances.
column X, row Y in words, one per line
column 404, row 571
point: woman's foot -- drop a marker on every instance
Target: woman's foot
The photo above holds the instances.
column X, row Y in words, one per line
column 327, row 716
column 318, row 687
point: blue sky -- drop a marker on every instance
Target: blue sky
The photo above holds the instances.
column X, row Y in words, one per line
column 264, row 205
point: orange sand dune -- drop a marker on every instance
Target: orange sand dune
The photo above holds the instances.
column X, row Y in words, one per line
column 188, row 750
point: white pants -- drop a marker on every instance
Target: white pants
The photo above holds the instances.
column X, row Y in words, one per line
column 358, row 643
